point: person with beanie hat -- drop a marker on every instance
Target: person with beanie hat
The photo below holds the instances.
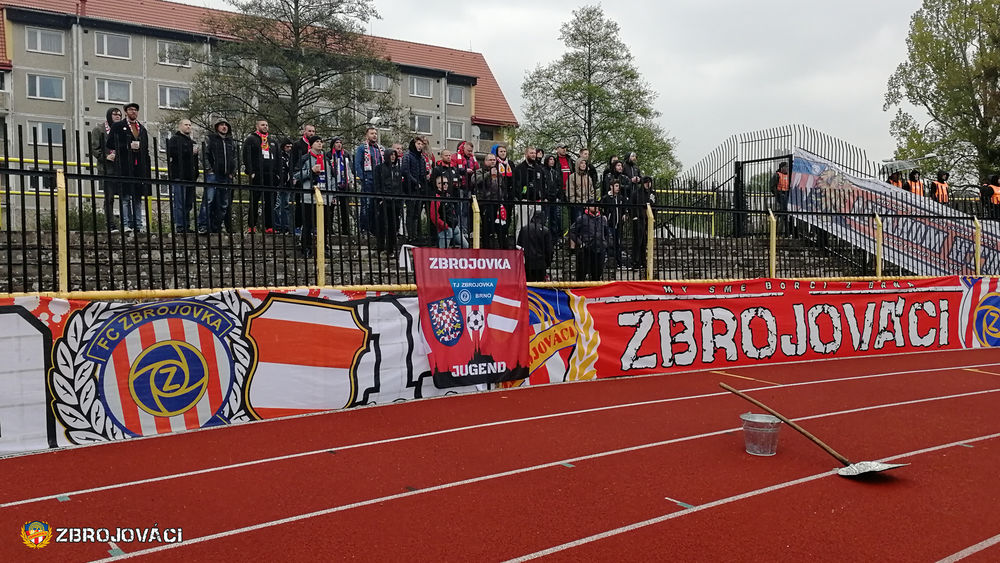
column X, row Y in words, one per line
column 220, row 170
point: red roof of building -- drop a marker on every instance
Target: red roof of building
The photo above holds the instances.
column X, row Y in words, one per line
column 491, row 107
column 4, row 61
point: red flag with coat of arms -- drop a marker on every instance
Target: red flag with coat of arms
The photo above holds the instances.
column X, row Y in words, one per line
column 473, row 314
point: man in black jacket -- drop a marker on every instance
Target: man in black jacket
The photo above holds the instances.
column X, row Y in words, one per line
column 529, row 186
column 104, row 164
column 182, row 166
column 414, row 172
column 299, row 149
column 536, row 241
column 260, row 161
column 220, row 169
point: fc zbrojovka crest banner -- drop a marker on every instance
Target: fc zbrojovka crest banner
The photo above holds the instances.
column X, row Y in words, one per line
column 474, row 314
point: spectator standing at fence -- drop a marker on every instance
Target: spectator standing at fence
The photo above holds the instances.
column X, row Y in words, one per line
column 182, row 166
column 414, row 171
column 896, row 179
column 444, row 216
column 261, row 165
column 104, row 165
column 614, row 210
column 536, row 242
column 555, row 194
column 443, row 168
column 282, row 207
column 129, row 140
column 780, row 187
column 386, row 210
column 588, row 237
column 580, row 189
column 299, row 149
column 341, row 178
column 617, row 173
column 631, row 170
column 565, row 163
column 641, row 197
column 591, row 170
column 493, row 192
column 940, row 187
column 312, row 173
column 529, row 186
column 220, row 170
column 465, row 164
column 367, row 157
column 915, row 185
column 991, row 197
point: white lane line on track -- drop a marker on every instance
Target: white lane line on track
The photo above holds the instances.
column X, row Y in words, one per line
column 558, row 463
column 728, row 500
column 458, row 429
column 971, row 550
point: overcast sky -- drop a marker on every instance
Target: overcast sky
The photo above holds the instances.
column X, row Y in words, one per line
column 720, row 67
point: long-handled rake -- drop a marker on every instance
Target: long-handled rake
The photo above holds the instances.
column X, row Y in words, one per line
column 850, row 469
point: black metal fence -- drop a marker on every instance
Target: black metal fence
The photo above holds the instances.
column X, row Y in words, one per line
column 714, row 222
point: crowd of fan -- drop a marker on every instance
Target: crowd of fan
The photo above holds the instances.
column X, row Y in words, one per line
column 530, row 203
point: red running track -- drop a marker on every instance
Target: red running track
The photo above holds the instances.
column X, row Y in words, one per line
column 626, row 469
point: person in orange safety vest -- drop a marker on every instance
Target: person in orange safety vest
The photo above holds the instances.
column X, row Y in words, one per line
column 940, row 187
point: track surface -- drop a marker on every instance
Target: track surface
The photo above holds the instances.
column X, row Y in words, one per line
column 647, row 468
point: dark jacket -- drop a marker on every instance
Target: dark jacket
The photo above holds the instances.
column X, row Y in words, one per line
column 181, row 163
column 388, row 177
column 444, row 213
column 414, row 171
column 536, row 241
column 220, row 153
column 129, row 162
column 554, row 189
column 376, row 152
column 528, row 181
column 254, row 161
column 448, row 171
column 590, row 232
column 98, row 146
column 613, row 208
column 640, row 197
column 631, row 171
column 299, row 149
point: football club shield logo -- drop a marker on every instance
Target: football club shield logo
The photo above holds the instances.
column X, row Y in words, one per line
column 446, row 321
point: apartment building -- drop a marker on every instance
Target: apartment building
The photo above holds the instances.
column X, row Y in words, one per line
column 64, row 63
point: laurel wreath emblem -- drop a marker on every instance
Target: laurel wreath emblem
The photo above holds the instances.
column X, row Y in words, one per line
column 73, row 377
column 46, row 537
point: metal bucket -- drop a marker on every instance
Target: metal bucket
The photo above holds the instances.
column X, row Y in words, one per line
column 760, row 433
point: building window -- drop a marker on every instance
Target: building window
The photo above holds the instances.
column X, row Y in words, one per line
column 173, row 54
column 485, row 133
column 162, row 137
column 378, row 83
column 46, row 41
column 420, row 87
column 172, row 97
column 45, row 87
column 420, row 124
column 39, row 132
column 114, row 91
column 113, row 45
column 456, row 130
column 456, row 95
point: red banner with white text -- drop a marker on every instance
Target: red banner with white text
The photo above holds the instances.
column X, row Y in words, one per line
column 474, row 314
column 644, row 328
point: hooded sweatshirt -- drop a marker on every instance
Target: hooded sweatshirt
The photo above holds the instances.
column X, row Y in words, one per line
column 98, row 140
column 414, row 170
column 220, row 152
column 536, row 240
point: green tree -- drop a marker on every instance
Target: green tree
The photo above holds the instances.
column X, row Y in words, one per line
column 952, row 73
column 294, row 62
column 594, row 97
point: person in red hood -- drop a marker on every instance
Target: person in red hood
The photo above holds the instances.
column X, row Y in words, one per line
column 465, row 165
